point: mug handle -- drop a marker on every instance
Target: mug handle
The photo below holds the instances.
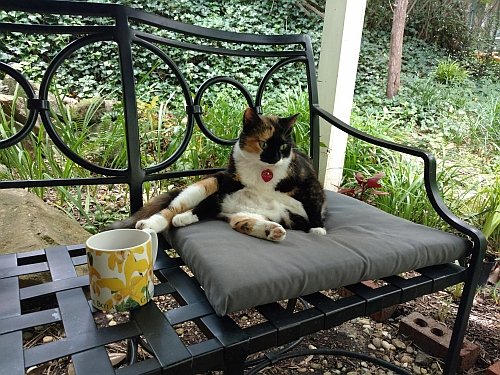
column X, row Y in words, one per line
column 154, row 242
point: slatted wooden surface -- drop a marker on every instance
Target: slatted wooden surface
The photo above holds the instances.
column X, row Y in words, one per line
column 63, row 299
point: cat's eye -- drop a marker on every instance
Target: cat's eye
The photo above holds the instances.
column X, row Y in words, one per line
column 263, row 144
column 283, row 147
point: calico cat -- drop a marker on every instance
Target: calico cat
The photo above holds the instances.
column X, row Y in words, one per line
column 267, row 186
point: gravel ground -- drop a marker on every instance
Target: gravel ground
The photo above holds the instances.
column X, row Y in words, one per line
column 379, row 339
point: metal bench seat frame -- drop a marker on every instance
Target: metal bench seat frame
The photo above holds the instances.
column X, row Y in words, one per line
column 227, row 345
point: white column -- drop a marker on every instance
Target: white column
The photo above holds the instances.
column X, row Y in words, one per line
column 338, row 62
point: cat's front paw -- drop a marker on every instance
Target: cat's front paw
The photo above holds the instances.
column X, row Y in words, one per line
column 319, row 231
column 156, row 222
column 185, row 218
column 275, row 232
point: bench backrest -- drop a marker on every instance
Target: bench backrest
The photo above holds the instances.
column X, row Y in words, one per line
column 161, row 55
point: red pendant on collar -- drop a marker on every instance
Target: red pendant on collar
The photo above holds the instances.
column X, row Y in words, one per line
column 267, row 175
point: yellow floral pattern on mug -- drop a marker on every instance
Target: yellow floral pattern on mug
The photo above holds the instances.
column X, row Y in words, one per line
column 130, row 284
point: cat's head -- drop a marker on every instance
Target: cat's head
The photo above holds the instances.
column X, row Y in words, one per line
column 267, row 137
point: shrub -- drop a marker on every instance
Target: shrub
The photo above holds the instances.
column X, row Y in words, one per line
column 450, row 72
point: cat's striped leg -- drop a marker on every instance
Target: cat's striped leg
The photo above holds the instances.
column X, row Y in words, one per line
column 256, row 225
column 187, row 199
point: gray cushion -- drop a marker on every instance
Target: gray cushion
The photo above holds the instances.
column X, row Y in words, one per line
column 362, row 242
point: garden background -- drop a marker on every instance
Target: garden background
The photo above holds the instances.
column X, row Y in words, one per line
column 448, row 103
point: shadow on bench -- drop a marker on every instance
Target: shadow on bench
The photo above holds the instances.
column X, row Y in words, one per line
column 226, row 272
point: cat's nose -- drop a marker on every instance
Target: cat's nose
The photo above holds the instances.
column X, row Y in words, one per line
column 272, row 159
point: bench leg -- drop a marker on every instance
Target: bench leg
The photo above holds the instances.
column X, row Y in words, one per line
column 460, row 327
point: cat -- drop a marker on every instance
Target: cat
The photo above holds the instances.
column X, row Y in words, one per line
column 268, row 186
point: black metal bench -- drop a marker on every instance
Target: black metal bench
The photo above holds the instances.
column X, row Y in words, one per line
column 64, row 299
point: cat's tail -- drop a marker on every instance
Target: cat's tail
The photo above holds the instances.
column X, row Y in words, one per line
column 152, row 207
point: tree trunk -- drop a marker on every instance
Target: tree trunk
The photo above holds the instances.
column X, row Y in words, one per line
column 396, row 53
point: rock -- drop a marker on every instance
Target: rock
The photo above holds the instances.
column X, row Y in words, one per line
column 377, row 342
column 96, row 106
column 386, row 345
column 7, row 103
column 28, row 223
column 406, row 359
column 9, row 88
column 423, row 359
column 364, row 321
column 398, row 344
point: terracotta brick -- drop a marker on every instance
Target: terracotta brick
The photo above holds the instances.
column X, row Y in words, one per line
column 434, row 338
column 379, row 316
column 384, row 314
column 494, row 369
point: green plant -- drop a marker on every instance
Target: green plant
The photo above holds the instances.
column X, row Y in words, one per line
column 456, row 291
column 490, row 292
column 450, row 72
column 483, row 210
column 36, row 157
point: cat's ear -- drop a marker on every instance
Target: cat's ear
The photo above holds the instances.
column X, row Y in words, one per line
column 250, row 118
column 289, row 122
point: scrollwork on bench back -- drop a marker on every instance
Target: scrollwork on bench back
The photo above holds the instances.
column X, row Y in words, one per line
column 132, row 55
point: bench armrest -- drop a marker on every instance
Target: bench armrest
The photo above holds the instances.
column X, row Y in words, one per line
column 431, row 186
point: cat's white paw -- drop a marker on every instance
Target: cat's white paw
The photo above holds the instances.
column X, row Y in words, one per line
column 275, row 232
column 319, row 231
column 185, row 218
column 156, row 222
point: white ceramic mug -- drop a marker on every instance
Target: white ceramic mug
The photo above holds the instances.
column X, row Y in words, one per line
column 120, row 264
